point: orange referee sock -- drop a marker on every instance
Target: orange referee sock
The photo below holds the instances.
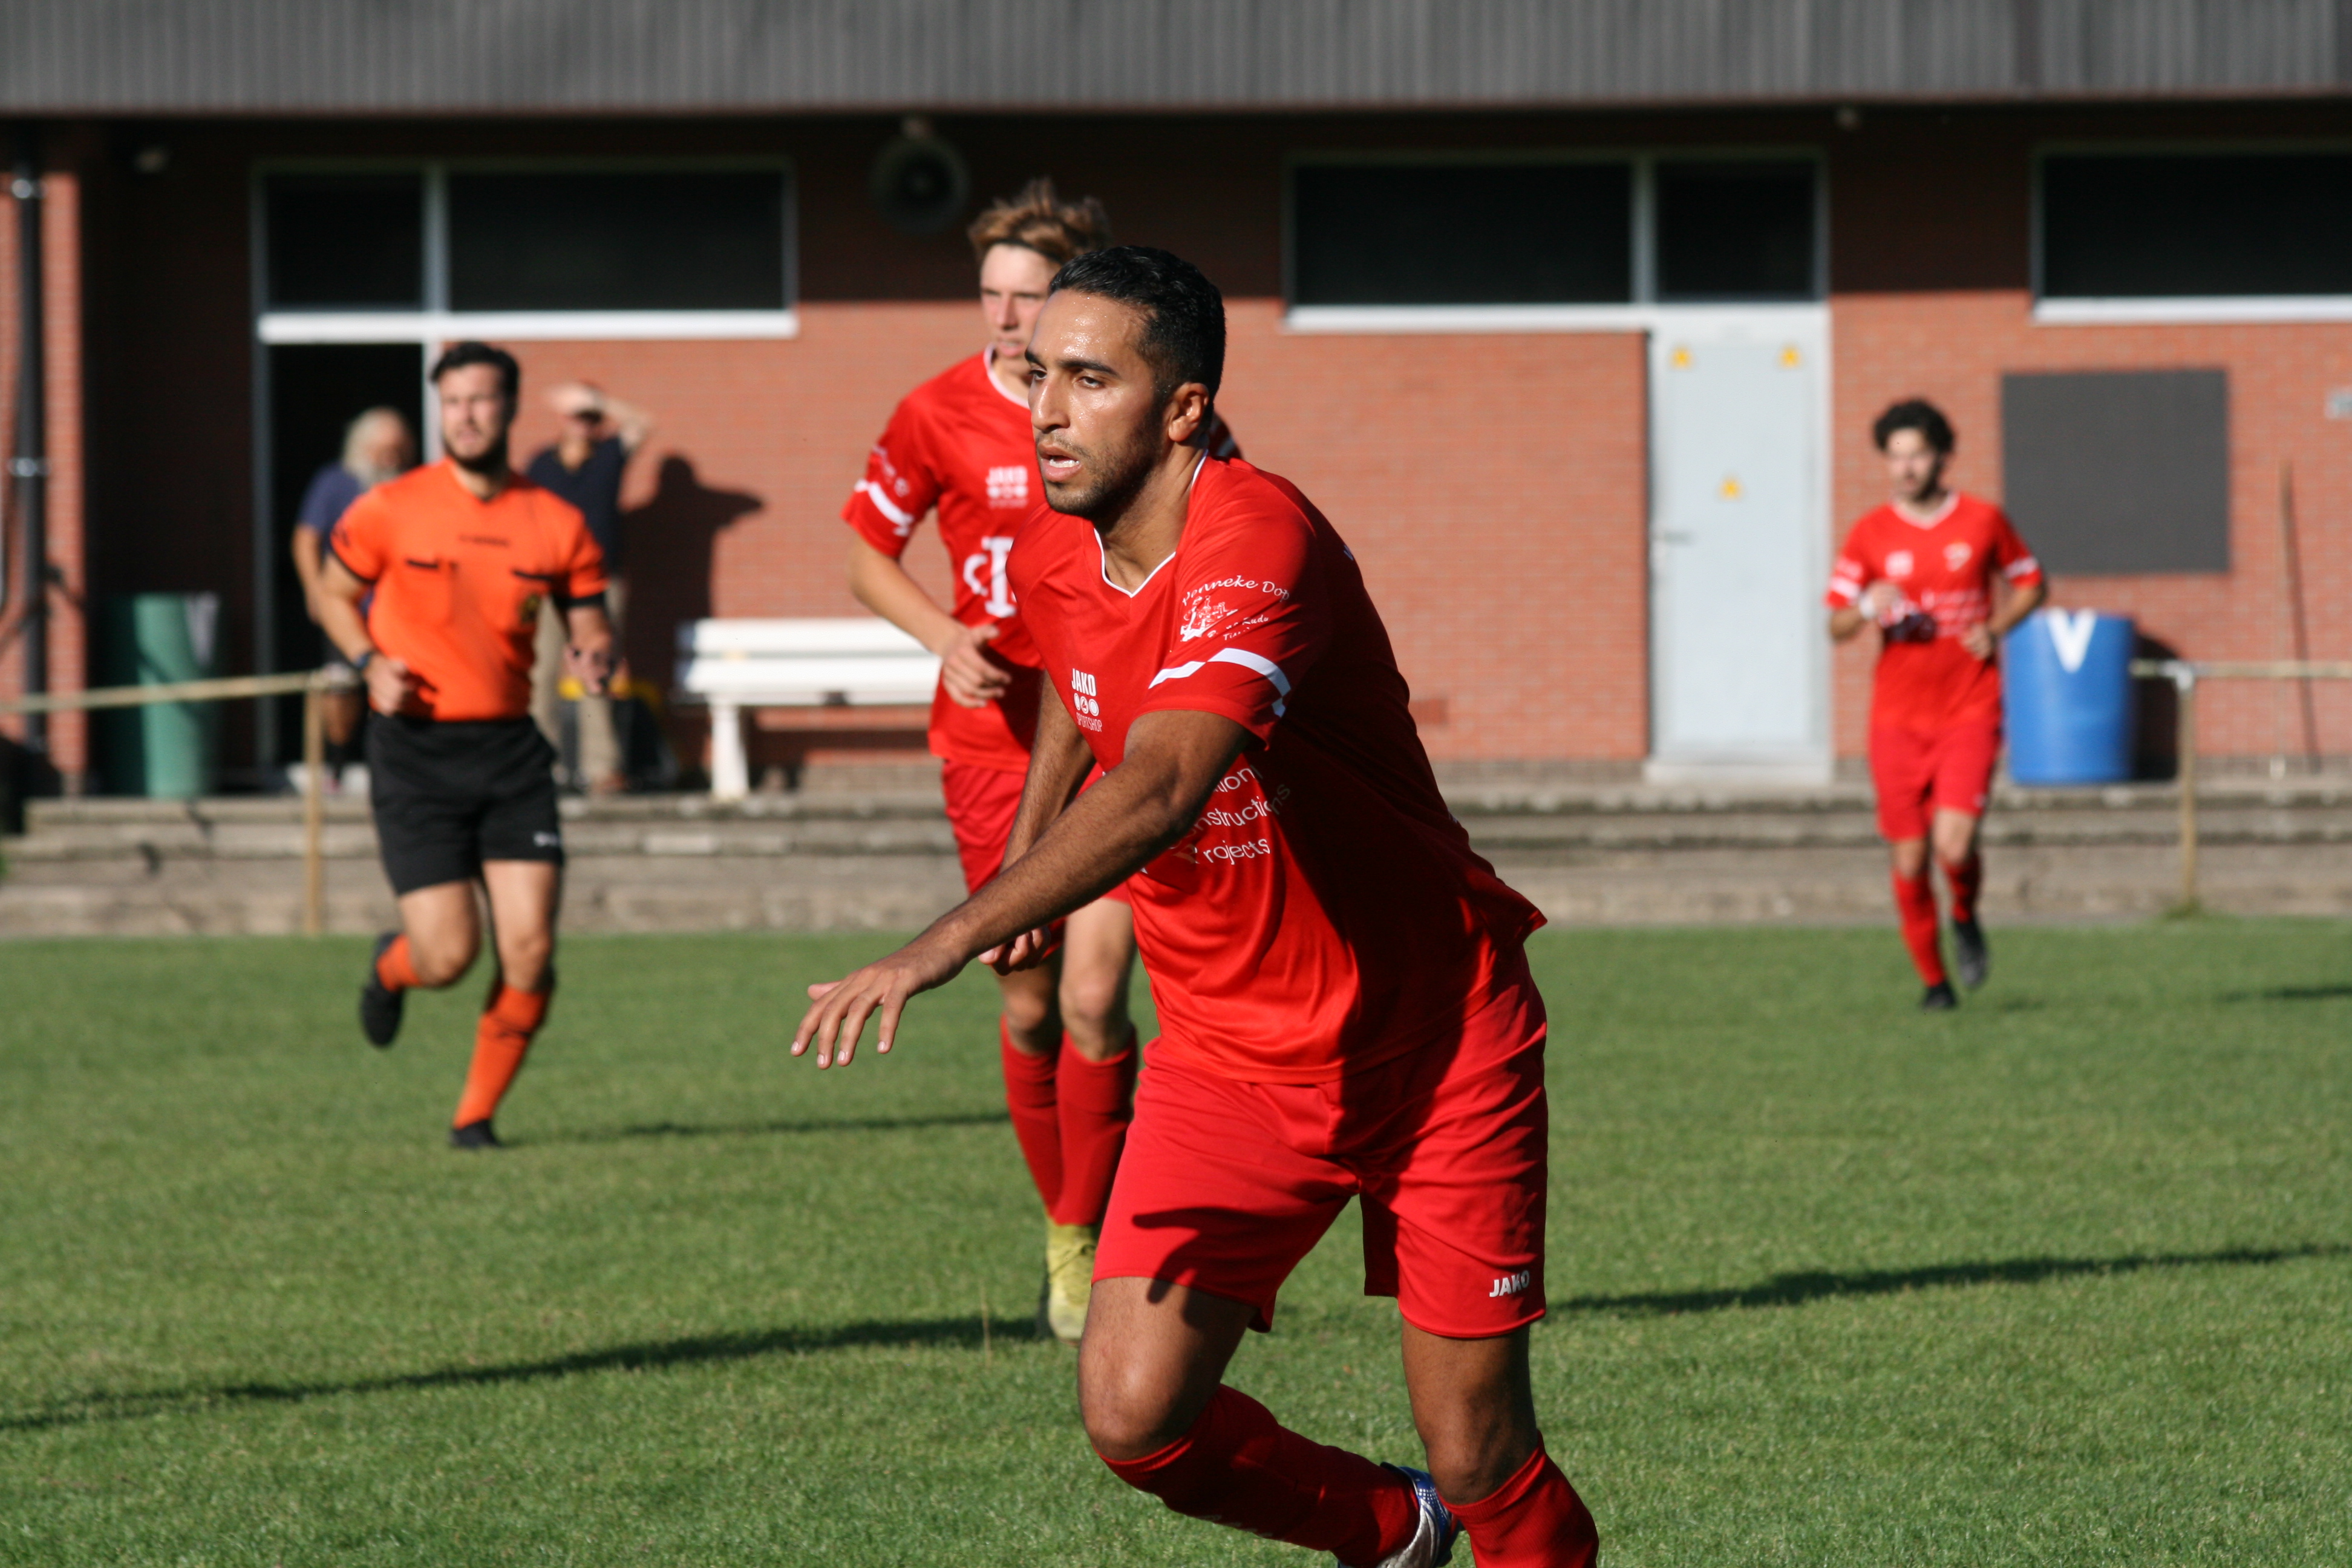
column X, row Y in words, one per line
column 500, row 1040
column 393, row 970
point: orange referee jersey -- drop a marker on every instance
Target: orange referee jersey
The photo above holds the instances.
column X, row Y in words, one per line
column 458, row 581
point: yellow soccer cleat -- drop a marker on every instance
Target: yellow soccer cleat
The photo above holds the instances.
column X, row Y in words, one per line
column 1069, row 1278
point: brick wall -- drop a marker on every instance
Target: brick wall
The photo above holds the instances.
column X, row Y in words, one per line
column 67, row 632
column 1492, row 488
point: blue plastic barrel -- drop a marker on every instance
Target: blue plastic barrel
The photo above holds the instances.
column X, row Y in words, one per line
column 2066, row 698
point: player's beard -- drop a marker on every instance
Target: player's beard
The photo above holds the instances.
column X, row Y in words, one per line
column 1118, row 477
column 491, row 460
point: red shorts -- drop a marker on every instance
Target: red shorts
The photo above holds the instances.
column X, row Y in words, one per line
column 1917, row 772
column 1226, row 1185
column 982, row 804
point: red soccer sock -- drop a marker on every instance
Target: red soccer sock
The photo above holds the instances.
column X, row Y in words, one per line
column 1964, row 877
column 393, row 970
column 1096, row 1101
column 1915, row 907
column 1238, row 1465
column 1535, row 1519
column 500, row 1041
column 1029, row 1095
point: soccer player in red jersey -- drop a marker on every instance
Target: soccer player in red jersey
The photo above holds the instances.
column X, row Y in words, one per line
column 1943, row 576
column 1345, row 1006
column 961, row 443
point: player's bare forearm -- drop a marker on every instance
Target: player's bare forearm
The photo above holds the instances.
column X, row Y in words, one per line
column 1844, row 622
column 882, row 586
column 1140, row 809
column 335, row 600
column 2017, row 604
column 1058, row 760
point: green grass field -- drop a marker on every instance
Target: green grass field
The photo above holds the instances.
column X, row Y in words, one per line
column 2064, row 1279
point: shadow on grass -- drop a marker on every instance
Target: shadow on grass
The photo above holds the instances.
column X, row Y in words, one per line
column 2291, row 994
column 1796, row 1289
column 966, row 1333
column 776, row 1129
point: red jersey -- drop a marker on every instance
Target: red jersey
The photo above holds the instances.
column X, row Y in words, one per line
column 961, row 443
column 1944, row 570
column 1326, row 913
column 458, row 581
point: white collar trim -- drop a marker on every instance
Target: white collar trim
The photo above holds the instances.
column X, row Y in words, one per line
column 1105, row 556
column 1951, row 501
column 988, row 371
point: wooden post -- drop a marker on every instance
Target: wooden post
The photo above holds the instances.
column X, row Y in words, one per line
column 2185, row 682
column 314, row 810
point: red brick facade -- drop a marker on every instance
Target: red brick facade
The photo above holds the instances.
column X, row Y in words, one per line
column 1494, row 486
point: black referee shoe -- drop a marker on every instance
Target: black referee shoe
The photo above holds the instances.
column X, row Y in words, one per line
column 1939, row 998
column 378, row 1005
column 475, row 1135
column 1974, row 959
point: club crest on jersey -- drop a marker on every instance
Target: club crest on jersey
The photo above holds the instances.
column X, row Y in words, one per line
column 1085, row 705
column 1956, row 554
column 1898, row 564
column 1009, row 486
column 1200, row 618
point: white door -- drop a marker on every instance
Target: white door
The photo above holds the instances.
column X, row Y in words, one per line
column 1739, row 541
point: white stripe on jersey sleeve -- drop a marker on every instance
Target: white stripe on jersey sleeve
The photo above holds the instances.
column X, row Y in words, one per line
column 2023, row 566
column 905, row 519
column 1243, row 657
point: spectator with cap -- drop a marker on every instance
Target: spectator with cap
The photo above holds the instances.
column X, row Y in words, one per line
column 599, row 435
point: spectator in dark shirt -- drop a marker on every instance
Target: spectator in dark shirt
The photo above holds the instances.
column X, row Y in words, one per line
column 600, row 435
column 377, row 446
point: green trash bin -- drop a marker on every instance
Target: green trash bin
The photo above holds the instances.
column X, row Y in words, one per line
column 166, row 751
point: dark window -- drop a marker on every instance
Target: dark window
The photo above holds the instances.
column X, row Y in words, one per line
column 676, row 240
column 2143, row 227
column 345, row 240
column 2112, row 471
column 1735, row 231
column 1462, row 233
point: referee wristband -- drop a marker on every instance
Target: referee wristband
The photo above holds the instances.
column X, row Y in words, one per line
column 359, row 665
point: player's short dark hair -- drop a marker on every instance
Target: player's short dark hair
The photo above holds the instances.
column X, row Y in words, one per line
column 1915, row 413
column 1183, row 314
column 457, row 356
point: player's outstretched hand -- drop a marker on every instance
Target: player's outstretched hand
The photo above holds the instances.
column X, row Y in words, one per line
column 839, row 1008
column 971, row 680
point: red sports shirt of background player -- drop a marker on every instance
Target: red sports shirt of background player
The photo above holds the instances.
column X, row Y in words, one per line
column 1944, row 570
column 961, row 442
column 1326, row 913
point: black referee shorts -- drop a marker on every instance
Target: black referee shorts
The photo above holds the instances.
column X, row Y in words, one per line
column 448, row 796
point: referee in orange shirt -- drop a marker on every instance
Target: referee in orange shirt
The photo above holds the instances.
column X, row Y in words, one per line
column 460, row 555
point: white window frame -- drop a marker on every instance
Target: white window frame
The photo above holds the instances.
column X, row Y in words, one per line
column 434, row 323
column 1641, row 313
column 2187, row 309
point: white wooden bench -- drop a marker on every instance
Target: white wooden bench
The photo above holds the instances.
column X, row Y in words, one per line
column 845, row 661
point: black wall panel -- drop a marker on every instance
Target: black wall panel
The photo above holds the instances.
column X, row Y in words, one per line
column 2119, row 471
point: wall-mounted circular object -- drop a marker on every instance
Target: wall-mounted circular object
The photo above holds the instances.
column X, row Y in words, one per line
column 920, row 183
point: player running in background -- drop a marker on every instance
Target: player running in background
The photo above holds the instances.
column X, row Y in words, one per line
column 460, row 555
column 960, row 444
column 1943, row 576
column 1345, row 1006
